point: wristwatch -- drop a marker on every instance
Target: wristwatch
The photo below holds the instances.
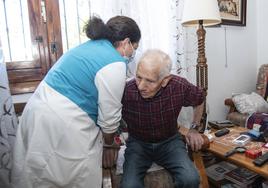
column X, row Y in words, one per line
column 194, row 126
column 116, row 143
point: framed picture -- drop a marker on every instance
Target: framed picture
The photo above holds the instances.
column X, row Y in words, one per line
column 233, row 12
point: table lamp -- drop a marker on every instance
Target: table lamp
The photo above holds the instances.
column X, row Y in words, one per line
column 200, row 13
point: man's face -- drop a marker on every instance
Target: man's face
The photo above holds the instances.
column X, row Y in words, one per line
column 147, row 80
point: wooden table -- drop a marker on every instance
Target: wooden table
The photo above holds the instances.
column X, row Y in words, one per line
column 219, row 148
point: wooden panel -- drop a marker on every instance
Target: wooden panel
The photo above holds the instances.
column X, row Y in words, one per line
column 53, row 30
column 22, row 65
column 39, row 30
column 25, row 87
column 19, row 76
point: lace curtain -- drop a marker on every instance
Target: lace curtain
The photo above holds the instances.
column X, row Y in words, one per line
column 8, row 125
column 159, row 21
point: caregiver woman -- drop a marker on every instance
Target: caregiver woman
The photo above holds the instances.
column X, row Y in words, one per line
column 75, row 110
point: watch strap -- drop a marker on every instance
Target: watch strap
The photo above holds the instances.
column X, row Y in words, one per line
column 194, row 126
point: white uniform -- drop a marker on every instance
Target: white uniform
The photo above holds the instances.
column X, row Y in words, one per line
column 58, row 142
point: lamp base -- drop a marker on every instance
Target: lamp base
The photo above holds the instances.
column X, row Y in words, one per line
column 202, row 71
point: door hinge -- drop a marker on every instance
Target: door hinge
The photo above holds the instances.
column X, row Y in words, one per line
column 39, row 39
column 53, row 47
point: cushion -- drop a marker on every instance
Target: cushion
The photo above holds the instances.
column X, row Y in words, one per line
column 250, row 103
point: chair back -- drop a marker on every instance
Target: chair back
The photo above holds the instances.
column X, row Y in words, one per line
column 261, row 86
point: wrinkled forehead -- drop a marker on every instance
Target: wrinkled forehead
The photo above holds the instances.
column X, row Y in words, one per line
column 148, row 70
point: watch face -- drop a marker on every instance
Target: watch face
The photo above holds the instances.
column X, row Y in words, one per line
column 194, row 126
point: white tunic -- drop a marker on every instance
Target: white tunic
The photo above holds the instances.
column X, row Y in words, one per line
column 58, row 143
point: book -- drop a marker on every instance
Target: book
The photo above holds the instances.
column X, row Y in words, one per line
column 216, row 171
column 241, row 176
column 220, row 125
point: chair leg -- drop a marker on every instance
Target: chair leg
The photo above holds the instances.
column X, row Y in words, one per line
column 198, row 161
column 106, row 178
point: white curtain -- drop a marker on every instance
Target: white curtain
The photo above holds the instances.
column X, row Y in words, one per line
column 159, row 21
column 160, row 24
column 8, row 125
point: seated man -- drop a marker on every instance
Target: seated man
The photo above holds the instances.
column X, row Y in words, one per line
column 151, row 105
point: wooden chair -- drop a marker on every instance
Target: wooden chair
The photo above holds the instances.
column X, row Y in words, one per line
column 161, row 178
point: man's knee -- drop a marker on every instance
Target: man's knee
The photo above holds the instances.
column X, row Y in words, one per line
column 189, row 180
column 131, row 183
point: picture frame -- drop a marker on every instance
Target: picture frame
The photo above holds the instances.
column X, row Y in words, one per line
column 233, row 12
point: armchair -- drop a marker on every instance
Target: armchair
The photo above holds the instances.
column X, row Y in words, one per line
column 261, row 88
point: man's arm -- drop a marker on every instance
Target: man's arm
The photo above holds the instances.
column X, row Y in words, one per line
column 198, row 111
column 193, row 137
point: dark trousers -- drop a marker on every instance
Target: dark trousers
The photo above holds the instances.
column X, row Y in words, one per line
column 170, row 154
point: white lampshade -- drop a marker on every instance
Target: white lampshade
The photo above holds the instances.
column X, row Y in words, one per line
column 195, row 10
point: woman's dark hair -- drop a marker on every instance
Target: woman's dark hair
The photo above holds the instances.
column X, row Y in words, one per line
column 116, row 29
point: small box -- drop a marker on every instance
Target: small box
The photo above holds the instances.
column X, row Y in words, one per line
column 253, row 153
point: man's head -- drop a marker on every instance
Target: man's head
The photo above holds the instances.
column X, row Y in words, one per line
column 153, row 72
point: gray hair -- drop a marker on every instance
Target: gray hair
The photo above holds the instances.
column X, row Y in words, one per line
column 156, row 57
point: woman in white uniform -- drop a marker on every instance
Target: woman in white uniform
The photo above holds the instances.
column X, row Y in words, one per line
column 75, row 110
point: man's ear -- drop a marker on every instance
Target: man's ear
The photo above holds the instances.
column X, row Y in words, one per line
column 166, row 80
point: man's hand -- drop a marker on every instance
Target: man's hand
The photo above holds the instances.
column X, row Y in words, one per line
column 194, row 139
column 109, row 156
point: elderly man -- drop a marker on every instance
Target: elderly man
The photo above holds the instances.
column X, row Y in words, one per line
column 151, row 105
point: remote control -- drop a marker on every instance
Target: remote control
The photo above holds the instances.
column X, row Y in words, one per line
column 222, row 132
column 261, row 160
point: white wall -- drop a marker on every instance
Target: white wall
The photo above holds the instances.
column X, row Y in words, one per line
column 262, row 31
column 233, row 70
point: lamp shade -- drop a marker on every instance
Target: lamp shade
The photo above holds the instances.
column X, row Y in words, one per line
column 196, row 10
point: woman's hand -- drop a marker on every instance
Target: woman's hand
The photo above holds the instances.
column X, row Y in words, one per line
column 109, row 156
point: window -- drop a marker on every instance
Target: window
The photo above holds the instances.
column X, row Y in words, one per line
column 31, row 40
column 73, row 16
column 34, row 34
